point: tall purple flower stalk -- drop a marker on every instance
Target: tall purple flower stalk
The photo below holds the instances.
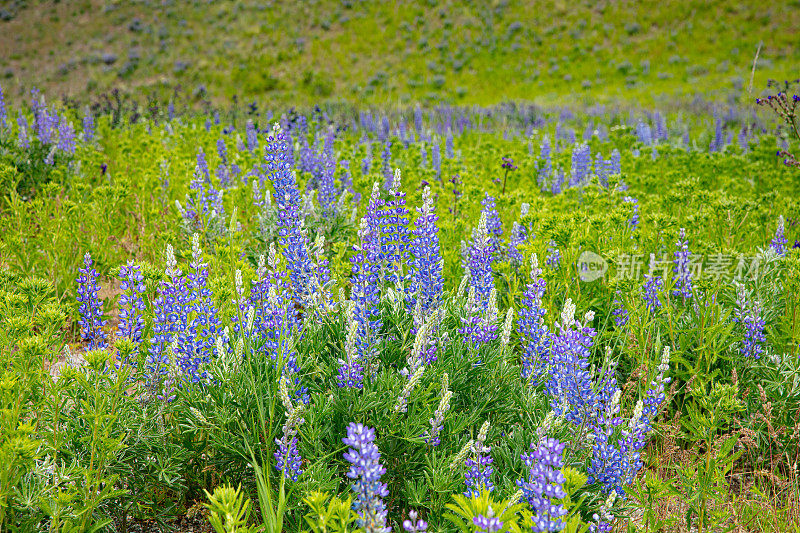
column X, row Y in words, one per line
column 546, row 163
column 634, row 221
column 779, row 240
column 683, row 274
column 132, row 307
column 544, row 484
column 493, row 223
column 91, row 309
column 581, row 163
column 480, row 257
column 291, row 234
column 66, row 136
column 425, row 264
column 386, row 165
column 478, row 476
column 3, row 111
column 88, row 125
column 652, row 285
column 748, row 315
column 553, row 256
column 534, row 333
column 570, row 386
column 394, row 233
column 366, row 471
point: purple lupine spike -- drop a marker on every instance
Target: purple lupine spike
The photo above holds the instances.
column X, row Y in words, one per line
column 3, row 111
column 478, row 477
column 570, row 385
column 779, row 240
column 748, row 314
column 644, row 133
column 546, row 163
column 553, row 260
column 394, row 234
column 132, row 307
column 66, row 136
column 366, row 469
column 545, row 484
column 414, row 525
column 581, row 161
column 23, row 139
column 291, row 235
column 652, row 285
column 487, row 524
column 634, row 221
column 366, row 163
column 91, row 309
column 252, row 136
column 493, row 223
column 534, row 333
column 327, row 186
column 88, row 125
column 682, row 270
column 480, row 258
column 620, row 313
column 436, row 158
column 386, row 165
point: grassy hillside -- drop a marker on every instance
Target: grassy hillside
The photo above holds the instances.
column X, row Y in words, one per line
column 384, row 52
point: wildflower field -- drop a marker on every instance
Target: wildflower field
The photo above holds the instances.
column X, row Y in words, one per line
column 429, row 315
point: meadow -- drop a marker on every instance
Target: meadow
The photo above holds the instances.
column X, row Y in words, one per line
column 412, row 308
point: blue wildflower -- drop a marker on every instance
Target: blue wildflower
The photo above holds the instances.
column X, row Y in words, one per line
column 544, row 484
column 366, row 469
column 683, row 274
column 91, row 309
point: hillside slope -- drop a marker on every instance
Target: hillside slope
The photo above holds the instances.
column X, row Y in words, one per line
column 385, row 52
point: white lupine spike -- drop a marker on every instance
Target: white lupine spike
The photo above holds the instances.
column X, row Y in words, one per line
column 267, row 197
column 251, row 315
column 396, row 183
column 505, row 336
column 534, row 265
column 272, row 296
column 220, row 347
column 180, row 208
column 459, row 458
column 664, row 365
column 284, row 394
column 261, row 269
column 525, row 209
column 402, row 400
column 172, row 263
column 238, row 283
column 568, row 314
column 463, row 285
column 588, row 317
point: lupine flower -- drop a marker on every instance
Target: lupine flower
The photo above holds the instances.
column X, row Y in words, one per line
column 546, row 165
column 553, row 256
column 366, row 265
column 779, row 240
column 488, row 524
column 386, row 166
column 619, row 313
column 505, row 336
column 581, row 163
column 292, row 236
column 131, row 314
column 413, row 525
column 683, row 274
column 426, row 259
column 545, row 484
column 401, row 406
column 22, row 135
column 252, row 136
column 652, row 285
column 748, row 314
column 493, row 223
column 448, row 144
column 534, row 334
column 480, row 257
column 366, row 470
column 366, row 163
column 478, row 477
column 519, row 235
column 91, row 309
column 603, row 519
column 3, row 112
column 615, row 162
column 644, row 134
column 634, row 221
column 570, row 385
column 431, row 436
column 351, row 371
column 88, row 125
column 66, row 136
column 423, row 156
column 436, row 158
column 394, row 234
column 287, row 458
column 327, row 188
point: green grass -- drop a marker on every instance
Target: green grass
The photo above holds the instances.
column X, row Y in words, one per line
column 302, row 53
